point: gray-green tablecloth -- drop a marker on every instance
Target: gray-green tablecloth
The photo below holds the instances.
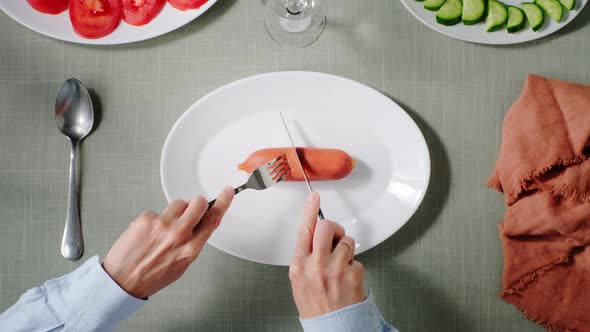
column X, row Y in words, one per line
column 440, row 272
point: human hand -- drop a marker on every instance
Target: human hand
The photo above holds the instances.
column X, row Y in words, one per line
column 157, row 249
column 324, row 275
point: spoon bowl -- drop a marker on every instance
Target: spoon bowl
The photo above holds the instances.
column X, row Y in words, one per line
column 74, row 114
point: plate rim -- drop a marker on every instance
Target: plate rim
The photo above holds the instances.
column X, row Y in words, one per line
column 101, row 41
column 212, row 94
column 441, row 29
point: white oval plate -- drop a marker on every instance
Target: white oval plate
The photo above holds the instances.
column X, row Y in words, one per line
column 59, row 26
column 389, row 181
column 477, row 33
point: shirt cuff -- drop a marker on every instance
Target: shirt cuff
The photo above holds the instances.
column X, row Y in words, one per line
column 90, row 299
column 363, row 316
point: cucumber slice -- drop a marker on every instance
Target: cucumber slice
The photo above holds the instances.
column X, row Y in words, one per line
column 534, row 15
column 473, row 11
column 450, row 12
column 516, row 19
column 434, row 5
column 569, row 4
column 497, row 15
column 553, row 8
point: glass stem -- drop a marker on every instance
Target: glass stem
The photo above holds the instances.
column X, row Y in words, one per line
column 295, row 7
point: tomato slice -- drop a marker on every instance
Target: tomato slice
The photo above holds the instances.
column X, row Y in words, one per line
column 49, row 6
column 95, row 18
column 140, row 12
column 187, row 4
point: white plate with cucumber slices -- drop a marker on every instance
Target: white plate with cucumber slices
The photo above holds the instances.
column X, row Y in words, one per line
column 496, row 22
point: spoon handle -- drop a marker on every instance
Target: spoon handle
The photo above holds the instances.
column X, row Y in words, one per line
column 72, row 245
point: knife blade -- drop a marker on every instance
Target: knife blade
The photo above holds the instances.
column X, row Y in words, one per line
column 320, row 213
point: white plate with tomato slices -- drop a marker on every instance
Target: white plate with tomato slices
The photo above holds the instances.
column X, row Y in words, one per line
column 104, row 22
column 389, row 179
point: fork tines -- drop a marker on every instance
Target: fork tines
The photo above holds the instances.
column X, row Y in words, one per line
column 278, row 168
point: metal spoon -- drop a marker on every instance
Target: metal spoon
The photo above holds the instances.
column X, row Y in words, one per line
column 74, row 116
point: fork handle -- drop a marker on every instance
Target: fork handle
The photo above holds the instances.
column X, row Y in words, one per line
column 236, row 191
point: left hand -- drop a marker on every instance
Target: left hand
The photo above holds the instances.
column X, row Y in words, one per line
column 157, row 249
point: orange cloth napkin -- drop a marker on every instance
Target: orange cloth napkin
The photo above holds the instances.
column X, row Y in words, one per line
column 544, row 172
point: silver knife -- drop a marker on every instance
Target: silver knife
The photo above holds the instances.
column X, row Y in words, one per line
column 320, row 213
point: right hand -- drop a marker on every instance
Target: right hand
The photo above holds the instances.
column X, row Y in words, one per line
column 324, row 275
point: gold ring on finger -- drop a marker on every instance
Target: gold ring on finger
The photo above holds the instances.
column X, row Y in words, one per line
column 350, row 247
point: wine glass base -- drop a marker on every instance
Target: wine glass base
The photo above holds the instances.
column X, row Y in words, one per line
column 289, row 36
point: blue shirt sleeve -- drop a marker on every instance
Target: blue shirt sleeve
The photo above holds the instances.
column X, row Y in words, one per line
column 362, row 316
column 87, row 299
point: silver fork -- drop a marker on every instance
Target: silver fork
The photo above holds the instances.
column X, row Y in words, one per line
column 265, row 176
